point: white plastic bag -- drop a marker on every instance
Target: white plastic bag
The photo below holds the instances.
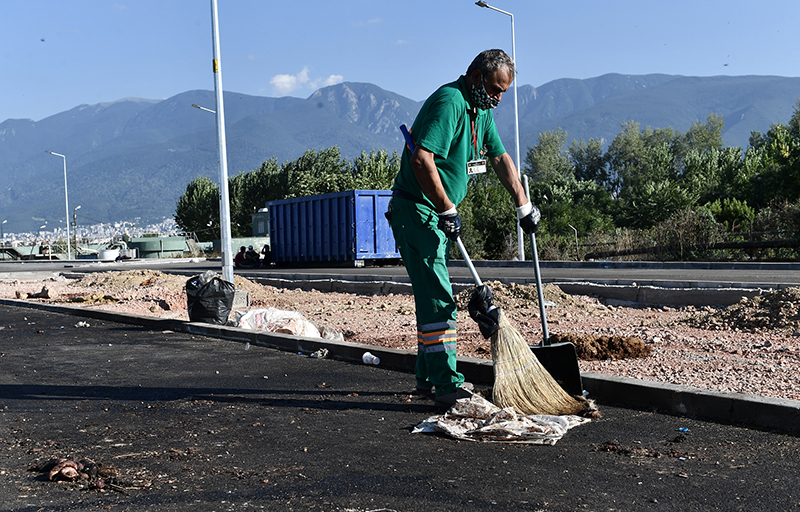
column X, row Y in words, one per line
column 276, row 320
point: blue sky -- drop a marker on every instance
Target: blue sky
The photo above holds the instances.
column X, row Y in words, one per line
column 57, row 54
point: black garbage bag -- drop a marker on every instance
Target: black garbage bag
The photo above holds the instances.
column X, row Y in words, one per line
column 209, row 298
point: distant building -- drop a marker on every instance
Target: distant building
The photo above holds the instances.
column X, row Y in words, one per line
column 261, row 223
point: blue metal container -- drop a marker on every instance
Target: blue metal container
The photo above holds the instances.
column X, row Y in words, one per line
column 345, row 226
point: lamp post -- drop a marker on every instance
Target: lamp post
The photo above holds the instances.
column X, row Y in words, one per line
column 224, row 206
column 66, row 200
column 2, row 235
column 520, row 243
column 75, row 227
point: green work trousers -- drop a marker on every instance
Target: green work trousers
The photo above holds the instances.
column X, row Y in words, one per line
column 424, row 248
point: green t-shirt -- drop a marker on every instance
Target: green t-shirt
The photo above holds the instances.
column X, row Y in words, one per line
column 444, row 127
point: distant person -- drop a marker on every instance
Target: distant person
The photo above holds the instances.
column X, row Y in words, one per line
column 454, row 134
column 251, row 258
column 239, row 259
column 266, row 253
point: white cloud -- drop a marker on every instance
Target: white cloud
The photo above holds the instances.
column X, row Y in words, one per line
column 331, row 80
column 287, row 84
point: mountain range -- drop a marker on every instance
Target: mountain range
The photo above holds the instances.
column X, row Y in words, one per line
column 132, row 159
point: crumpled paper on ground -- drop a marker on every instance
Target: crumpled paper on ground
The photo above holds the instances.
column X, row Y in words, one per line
column 276, row 320
column 477, row 419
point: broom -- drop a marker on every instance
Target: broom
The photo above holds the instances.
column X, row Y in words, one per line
column 520, row 380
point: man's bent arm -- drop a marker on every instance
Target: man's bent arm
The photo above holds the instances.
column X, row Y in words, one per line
column 507, row 172
column 424, row 166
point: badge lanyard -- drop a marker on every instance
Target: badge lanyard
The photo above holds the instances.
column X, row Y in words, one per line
column 472, row 123
column 477, row 165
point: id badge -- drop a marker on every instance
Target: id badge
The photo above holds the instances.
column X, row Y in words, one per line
column 476, row 166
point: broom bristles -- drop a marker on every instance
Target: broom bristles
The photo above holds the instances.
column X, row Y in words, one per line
column 520, row 380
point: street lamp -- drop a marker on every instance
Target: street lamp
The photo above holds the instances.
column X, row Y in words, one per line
column 224, row 206
column 2, row 235
column 75, row 228
column 204, row 108
column 66, row 200
column 516, row 113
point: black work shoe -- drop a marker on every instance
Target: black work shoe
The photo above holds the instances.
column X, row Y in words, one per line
column 424, row 392
column 465, row 390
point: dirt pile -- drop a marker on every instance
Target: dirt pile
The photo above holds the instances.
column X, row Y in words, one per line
column 599, row 348
column 522, row 296
column 772, row 311
column 131, row 279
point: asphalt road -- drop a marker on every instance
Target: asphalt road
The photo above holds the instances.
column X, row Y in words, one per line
column 703, row 275
column 200, row 424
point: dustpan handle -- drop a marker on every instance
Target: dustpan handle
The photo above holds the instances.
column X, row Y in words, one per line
column 539, row 291
column 545, row 334
column 470, row 266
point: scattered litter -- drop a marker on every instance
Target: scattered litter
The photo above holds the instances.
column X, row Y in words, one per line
column 276, row 320
column 95, row 475
column 43, row 294
column 319, row 354
column 683, row 429
column 247, row 345
column 368, row 358
column 82, row 324
column 329, row 333
column 477, row 419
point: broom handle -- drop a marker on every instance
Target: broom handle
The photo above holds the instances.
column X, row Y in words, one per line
column 545, row 334
column 470, row 266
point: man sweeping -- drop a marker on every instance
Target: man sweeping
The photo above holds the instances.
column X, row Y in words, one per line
column 454, row 134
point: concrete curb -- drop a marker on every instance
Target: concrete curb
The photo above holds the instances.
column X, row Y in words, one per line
column 627, row 294
column 737, row 408
column 655, row 295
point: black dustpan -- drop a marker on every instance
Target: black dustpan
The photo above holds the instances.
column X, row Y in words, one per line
column 559, row 359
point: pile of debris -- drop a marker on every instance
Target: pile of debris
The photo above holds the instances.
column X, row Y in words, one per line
column 94, row 475
column 773, row 311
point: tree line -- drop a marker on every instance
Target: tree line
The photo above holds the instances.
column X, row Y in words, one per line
column 315, row 172
column 648, row 194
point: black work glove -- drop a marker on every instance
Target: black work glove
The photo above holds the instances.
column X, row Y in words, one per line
column 482, row 310
column 480, row 301
column 450, row 223
column 530, row 222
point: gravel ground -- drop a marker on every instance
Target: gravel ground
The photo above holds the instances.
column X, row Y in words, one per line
column 752, row 347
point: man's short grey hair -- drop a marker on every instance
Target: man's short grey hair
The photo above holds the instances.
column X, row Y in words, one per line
column 490, row 61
